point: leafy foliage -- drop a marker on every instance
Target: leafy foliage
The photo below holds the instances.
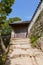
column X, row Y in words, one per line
column 14, row 19
column 6, row 31
column 5, row 9
column 33, row 39
column 6, row 6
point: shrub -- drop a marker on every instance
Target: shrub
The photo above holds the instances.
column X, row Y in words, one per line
column 6, row 35
column 33, row 39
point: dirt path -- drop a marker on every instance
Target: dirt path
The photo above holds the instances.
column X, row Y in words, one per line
column 21, row 53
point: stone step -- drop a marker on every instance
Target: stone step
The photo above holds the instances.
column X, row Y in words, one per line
column 21, row 61
column 35, row 60
column 26, row 46
column 13, row 42
column 23, row 46
column 21, row 53
column 18, row 41
column 27, row 60
column 39, row 59
column 31, row 52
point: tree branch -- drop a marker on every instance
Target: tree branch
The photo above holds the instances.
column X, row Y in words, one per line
column 3, row 46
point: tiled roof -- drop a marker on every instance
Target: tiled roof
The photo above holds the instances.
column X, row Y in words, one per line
column 20, row 22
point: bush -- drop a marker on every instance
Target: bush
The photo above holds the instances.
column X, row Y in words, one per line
column 6, row 31
column 6, row 35
column 33, row 39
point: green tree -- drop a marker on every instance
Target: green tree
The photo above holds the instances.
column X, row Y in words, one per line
column 5, row 9
column 14, row 19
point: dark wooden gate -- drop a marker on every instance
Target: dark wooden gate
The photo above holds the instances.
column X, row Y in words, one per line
column 20, row 33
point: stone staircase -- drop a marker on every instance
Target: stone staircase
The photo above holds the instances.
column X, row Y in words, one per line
column 21, row 53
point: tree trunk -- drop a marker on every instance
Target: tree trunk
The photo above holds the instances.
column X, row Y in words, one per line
column 3, row 46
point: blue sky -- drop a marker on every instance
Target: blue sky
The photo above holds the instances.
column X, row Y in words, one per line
column 24, row 9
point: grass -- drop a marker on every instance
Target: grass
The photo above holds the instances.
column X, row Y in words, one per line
column 33, row 40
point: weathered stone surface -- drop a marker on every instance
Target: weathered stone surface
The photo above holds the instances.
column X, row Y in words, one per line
column 21, row 53
column 21, row 61
column 37, row 29
column 40, row 43
column 39, row 59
